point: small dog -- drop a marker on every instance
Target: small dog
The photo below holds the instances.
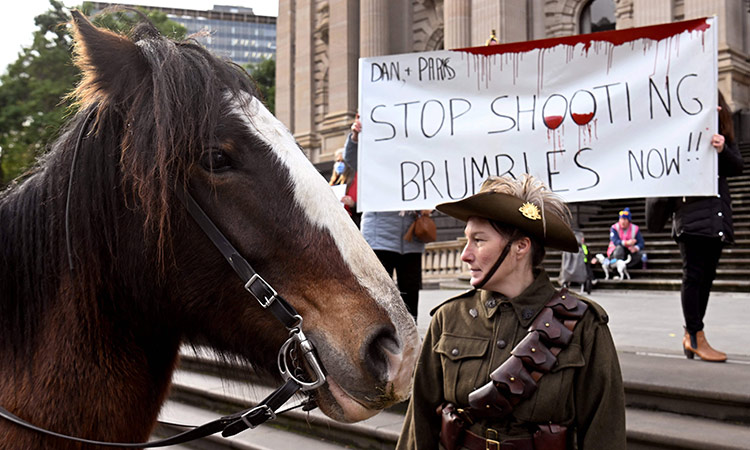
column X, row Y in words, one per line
column 621, row 265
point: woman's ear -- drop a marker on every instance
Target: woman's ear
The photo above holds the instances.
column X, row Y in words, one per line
column 523, row 246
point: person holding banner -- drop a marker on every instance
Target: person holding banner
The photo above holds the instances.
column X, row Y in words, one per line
column 384, row 231
column 702, row 226
column 344, row 175
column 515, row 363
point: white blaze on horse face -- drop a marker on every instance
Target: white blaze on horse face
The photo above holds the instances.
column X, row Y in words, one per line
column 323, row 209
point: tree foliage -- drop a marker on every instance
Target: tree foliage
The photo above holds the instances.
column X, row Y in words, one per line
column 264, row 74
column 33, row 90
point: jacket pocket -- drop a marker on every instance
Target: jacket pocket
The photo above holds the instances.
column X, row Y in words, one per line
column 462, row 358
column 551, row 401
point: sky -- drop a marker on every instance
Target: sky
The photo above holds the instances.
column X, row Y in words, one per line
column 18, row 20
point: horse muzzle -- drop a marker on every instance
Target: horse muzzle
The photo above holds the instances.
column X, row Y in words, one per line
column 380, row 377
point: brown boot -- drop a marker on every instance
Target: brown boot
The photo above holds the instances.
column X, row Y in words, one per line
column 697, row 344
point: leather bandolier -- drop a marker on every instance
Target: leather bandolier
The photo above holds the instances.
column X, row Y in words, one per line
column 516, row 380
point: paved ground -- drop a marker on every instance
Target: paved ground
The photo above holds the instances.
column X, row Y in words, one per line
column 651, row 321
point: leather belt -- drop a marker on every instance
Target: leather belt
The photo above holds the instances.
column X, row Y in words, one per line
column 473, row 441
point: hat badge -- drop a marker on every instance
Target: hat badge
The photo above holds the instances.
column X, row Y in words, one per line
column 530, row 211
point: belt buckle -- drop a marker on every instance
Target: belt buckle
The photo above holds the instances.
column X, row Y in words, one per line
column 493, row 441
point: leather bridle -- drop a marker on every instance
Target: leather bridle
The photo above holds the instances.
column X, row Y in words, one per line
column 269, row 299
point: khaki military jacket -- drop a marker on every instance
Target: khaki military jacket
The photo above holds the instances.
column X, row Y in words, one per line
column 472, row 334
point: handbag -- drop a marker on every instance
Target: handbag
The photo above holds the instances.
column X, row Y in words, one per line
column 658, row 211
column 423, row 228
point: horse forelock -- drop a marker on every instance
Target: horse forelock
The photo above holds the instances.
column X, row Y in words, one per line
column 314, row 197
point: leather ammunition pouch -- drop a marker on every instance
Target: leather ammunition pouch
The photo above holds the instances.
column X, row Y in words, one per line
column 516, row 378
column 451, row 426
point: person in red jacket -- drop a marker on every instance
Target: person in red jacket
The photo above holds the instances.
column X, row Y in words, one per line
column 344, row 174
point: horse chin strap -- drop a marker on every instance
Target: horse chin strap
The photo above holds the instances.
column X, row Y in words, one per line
column 270, row 300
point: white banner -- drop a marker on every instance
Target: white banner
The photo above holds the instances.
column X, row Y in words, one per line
column 616, row 114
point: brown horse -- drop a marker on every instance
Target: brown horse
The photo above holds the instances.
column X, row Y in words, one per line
column 104, row 275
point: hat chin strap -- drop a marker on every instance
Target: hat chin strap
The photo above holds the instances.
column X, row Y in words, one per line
column 495, row 266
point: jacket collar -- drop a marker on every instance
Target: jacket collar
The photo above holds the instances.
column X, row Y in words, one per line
column 526, row 305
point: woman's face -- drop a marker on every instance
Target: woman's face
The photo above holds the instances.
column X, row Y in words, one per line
column 483, row 248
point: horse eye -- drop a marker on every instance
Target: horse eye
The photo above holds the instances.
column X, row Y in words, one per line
column 216, row 161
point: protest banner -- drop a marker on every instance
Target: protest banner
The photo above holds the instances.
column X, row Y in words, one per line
column 617, row 114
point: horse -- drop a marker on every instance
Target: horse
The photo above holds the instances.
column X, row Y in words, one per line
column 104, row 275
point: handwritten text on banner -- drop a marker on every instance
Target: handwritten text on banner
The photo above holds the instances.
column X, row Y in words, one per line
column 616, row 114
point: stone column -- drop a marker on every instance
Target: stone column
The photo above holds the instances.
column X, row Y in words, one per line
column 514, row 23
column 373, row 18
column 734, row 69
column 285, row 63
column 342, row 74
column 457, row 20
column 485, row 17
column 400, row 35
column 652, row 12
column 303, row 76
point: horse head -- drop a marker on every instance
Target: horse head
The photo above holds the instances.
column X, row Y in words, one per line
column 168, row 117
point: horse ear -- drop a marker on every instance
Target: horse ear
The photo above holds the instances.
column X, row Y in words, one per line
column 106, row 59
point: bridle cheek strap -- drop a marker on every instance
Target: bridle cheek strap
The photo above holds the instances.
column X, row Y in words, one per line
column 270, row 300
column 266, row 296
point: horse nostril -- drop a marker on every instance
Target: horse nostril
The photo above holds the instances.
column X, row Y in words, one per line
column 380, row 352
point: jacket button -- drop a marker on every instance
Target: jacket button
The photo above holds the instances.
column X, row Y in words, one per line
column 721, row 233
column 473, row 313
column 454, row 352
column 720, row 214
column 501, row 344
column 491, row 303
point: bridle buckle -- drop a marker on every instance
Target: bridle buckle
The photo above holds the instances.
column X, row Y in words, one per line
column 263, row 292
column 260, row 409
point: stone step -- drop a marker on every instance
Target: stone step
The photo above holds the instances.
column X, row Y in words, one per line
column 670, row 401
column 729, row 267
column 308, row 430
column 672, row 383
column 599, row 241
column 269, row 436
column 652, row 272
column 638, row 210
column 659, row 284
column 655, row 252
column 741, row 230
column 740, row 218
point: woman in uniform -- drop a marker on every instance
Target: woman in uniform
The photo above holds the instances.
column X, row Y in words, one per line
column 515, row 363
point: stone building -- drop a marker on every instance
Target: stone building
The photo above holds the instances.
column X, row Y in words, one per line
column 319, row 43
column 232, row 32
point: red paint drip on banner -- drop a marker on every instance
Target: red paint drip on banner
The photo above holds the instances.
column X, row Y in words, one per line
column 615, row 37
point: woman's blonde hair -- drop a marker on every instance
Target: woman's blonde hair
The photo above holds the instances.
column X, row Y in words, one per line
column 530, row 190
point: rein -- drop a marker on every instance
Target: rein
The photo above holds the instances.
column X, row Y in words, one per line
column 268, row 298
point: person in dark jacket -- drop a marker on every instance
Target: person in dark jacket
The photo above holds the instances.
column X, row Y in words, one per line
column 702, row 226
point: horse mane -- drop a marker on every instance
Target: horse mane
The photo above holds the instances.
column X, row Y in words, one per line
column 157, row 105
